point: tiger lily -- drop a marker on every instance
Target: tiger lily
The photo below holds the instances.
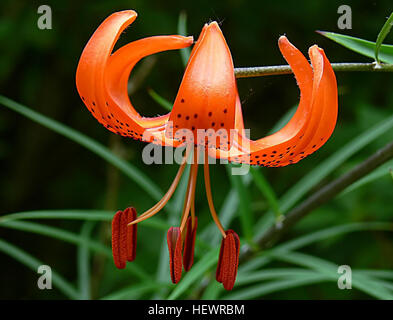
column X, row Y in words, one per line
column 206, row 100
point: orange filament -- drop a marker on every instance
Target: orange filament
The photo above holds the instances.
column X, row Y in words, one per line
column 209, row 195
column 161, row 204
column 190, row 194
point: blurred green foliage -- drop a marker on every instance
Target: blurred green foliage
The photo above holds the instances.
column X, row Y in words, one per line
column 43, row 170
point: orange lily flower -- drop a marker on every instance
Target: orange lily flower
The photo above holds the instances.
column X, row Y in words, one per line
column 207, row 102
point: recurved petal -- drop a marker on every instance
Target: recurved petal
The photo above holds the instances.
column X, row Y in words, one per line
column 175, row 245
column 97, row 68
column 311, row 125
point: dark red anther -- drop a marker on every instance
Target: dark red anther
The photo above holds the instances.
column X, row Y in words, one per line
column 228, row 261
column 124, row 237
column 175, row 245
column 189, row 243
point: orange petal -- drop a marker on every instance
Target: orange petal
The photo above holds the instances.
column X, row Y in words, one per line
column 311, row 125
column 101, row 78
column 228, row 261
column 207, row 95
column 189, row 243
column 175, row 245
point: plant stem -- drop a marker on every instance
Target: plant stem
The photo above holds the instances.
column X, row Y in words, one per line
column 326, row 193
column 286, row 69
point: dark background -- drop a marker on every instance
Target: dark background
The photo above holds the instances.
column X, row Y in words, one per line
column 42, row 170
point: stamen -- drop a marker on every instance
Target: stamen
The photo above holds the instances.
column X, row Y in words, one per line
column 190, row 194
column 228, row 261
column 123, row 237
column 189, row 243
column 175, row 248
column 209, row 195
column 161, row 204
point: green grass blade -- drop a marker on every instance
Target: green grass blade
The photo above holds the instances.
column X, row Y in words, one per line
column 245, row 212
column 266, row 189
column 195, row 274
column 274, row 286
column 83, row 261
column 329, row 269
column 182, row 30
column 71, row 238
column 129, row 170
column 308, row 239
column 33, row 263
column 382, row 35
column 87, row 215
column 364, row 47
column 133, row 292
column 382, row 171
column 160, row 100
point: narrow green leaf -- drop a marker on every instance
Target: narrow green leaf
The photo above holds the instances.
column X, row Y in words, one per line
column 33, row 263
column 382, row 35
column 83, row 261
column 71, row 238
column 329, row 269
column 88, row 215
column 266, row 189
column 245, row 212
column 182, row 30
column 265, row 288
column 129, row 170
column 160, row 100
column 134, row 292
column 382, row 171
column 308, row 239
column 364, row 47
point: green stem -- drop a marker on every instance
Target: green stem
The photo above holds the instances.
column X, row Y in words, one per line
column 286, row 69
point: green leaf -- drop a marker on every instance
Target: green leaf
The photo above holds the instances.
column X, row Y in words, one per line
column 329, row 269
column 182, row 30
column 364, row 47
column 265, row 288
column 160, row 100
column 308, row 239
column 382, row 171
column 266, row 189
column 84, row 261
column 71, row 238
column 134, row 292
column 129, row 170
column 89, row 215
column 33, row 263
column 382, row 35
column 245, row 212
